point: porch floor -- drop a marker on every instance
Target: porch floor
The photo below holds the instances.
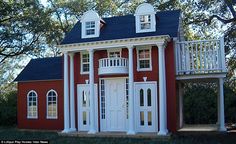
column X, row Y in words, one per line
column 199, row 127
column 115, row 135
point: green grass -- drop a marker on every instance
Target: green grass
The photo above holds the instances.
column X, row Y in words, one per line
column 178, row 138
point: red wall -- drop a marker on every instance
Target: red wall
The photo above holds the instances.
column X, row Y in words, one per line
column 41, row 88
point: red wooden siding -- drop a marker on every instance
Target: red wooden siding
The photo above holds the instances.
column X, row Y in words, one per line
column 41, row 88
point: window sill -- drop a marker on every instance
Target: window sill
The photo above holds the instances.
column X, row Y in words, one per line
column 51, row 118
column 144, row 69
column 32, row 117
column 84, row 73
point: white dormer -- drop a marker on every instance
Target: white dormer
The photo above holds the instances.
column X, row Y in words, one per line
column 90, row 22
column 145, row 18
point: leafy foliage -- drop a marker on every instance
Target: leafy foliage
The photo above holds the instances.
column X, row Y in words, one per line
column 8, row 107
column 200, row 104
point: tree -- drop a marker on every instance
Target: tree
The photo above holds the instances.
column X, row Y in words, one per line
column 22, row 25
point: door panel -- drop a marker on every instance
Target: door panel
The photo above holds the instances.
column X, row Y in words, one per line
column 84, row 106
column 115, row 103
column 146, row 107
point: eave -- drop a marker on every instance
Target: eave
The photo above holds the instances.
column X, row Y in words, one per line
column 150, row 40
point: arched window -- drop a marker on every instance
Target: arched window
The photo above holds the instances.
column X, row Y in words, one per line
column 32, row 105
column 52, row 104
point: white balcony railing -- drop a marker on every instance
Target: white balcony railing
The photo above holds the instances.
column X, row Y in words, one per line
column 113, row 66
column 200, row 57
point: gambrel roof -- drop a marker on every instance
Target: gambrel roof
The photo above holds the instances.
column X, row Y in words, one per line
column 122, row 27
column 42, row 69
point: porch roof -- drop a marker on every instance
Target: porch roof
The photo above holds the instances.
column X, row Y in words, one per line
column 122, row 27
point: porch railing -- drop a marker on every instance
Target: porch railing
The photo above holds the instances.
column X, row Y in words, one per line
column 113, row 66
column 199, row 57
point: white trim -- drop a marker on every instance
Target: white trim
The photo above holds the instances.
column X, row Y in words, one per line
column 32, row 117
column 149, row 47
column 81, row 62
column 201, row 76
column 150, row 40
column 48, row 117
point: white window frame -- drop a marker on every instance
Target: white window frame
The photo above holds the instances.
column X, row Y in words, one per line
column 152, row 23
column 90, row 28
column 145, row 22
column 51, row 117
column 150, row 58
column 81, row 62
column 114, row 50
column 32, row 117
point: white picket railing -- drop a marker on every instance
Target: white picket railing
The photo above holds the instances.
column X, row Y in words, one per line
column 113, row 62
column 198, row 57
column 113, row 66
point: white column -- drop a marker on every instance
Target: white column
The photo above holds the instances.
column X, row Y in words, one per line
column 72, row 94
column 66, row 95
column 162, row 91
column 131, row 93
column 222, row 114
column 91, row 96
column 218, row 106
column 181, row 105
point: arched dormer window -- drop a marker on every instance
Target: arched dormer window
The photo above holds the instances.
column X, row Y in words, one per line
column 145, row 18
column 90, row 22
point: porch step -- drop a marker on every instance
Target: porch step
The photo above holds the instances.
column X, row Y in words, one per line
column 116, row 135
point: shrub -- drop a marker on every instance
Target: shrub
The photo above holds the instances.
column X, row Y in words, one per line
column 8, row 108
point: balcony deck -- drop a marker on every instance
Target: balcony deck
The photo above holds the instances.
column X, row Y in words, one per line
column 109, row 66
column 200, row 59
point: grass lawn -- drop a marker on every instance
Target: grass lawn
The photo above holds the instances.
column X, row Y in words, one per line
column 178, row 138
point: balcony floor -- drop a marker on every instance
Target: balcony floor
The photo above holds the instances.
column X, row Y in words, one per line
column 201, row 77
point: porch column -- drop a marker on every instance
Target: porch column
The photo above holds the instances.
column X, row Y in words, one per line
column 181, row 121
column 218, row 106
column 162, row 90
column 131, row 93
column 222, row 114
column 91, row 96
column 72, row 94
column 66, row 95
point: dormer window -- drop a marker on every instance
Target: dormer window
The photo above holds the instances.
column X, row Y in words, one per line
column 145, row 22
column 145, row 18
column 90, row 28
column 90, row 24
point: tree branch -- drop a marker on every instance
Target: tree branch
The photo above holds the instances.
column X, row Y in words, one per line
column 208, row 20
